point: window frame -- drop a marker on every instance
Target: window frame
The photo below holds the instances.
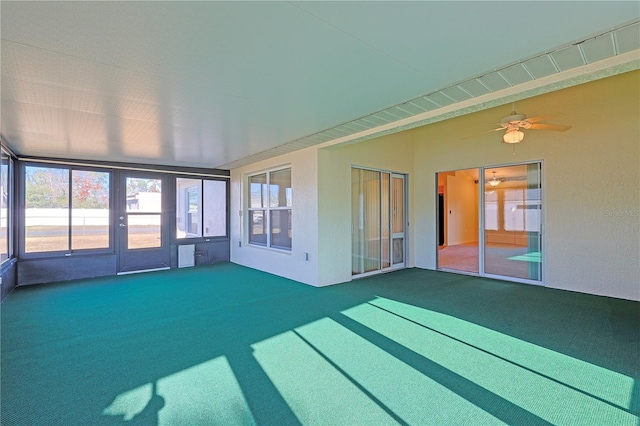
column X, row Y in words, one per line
column 10, row 246
column 184, row 209
column 69, row 251
column 267, row 209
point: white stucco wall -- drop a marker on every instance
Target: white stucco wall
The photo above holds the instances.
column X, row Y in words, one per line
column 391, row 153
column 304, row 221
column 591, row 180
column 591, row 177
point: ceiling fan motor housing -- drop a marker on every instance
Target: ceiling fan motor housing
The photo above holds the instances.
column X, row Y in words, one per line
column 513, row 118
column 515, row 121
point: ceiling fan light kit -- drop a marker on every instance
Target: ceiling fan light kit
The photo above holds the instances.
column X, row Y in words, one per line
column 513, row 136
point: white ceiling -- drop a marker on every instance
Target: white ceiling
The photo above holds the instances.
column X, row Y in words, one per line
column 210, row 84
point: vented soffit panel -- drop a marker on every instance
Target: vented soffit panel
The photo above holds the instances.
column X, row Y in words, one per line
column 603, row 55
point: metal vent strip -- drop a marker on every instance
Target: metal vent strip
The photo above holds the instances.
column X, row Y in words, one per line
column 621, row 40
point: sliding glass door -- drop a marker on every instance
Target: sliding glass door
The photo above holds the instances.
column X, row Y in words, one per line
column 505, row 204
column 378, row 220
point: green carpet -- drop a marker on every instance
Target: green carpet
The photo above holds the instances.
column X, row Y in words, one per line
column 230, row 345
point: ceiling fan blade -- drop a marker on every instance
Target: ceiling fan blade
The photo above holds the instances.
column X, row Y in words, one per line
column 482, row 133
column 538, row 118
column 554, row 127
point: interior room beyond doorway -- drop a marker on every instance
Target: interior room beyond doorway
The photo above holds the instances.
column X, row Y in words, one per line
column 458, row 220
column 496, row 231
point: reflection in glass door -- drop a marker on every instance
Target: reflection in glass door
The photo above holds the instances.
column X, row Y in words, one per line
column 513, row 222
column 378, row 221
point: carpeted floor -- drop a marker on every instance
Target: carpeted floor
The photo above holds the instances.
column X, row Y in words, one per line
column 230, row 345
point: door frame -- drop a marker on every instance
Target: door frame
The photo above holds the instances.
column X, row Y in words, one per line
column 402, row 234
column 481, row 221
column 133, row 261
column 404, row 263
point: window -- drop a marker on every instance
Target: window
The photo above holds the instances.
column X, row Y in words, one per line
column 6, row 206
column 270, row 202
column 201, row 208
column 66, row 209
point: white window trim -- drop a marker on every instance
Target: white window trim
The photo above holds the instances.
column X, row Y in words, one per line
column 267, row 209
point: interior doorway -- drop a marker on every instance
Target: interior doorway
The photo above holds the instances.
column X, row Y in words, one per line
column 490, row 221
column 458, row 225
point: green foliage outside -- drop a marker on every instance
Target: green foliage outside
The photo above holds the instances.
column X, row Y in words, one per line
column 49, row 188
column 136, row 185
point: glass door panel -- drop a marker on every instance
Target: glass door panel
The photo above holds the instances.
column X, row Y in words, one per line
column 366, row 242
column 143, row 231
column 386, row 220
column 512, row 222
column 398, row 219
column 144, row 198
column 378, row 221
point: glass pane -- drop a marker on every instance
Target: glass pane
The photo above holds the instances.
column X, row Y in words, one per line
column 144, row 195
column 188, row 208
column 46, row 209
column 215, row 208
column 257, row 233
column 491, row 210
column 10, row 206
column 281, row 229
column 398, row 205
column 280, row 191
column 258, row 191
column 4, row 207
column 90, row 209
column 365, row 221
column 398, row 250
column 385, row 219
column 512, row 222
column 513, row 209
column 143, row 231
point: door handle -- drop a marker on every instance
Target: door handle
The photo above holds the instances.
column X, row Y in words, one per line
column 122, row 225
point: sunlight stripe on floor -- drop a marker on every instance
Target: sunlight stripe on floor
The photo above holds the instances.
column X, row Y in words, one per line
column 540, row 396
column 412, row 396
column 207, row 393
column 608, row 385
column 131, row 403
column 316, row 391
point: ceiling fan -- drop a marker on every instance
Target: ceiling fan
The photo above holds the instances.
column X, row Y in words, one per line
column 512, row 124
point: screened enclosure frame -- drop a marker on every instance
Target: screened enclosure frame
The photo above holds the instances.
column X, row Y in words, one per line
column 22, row 219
